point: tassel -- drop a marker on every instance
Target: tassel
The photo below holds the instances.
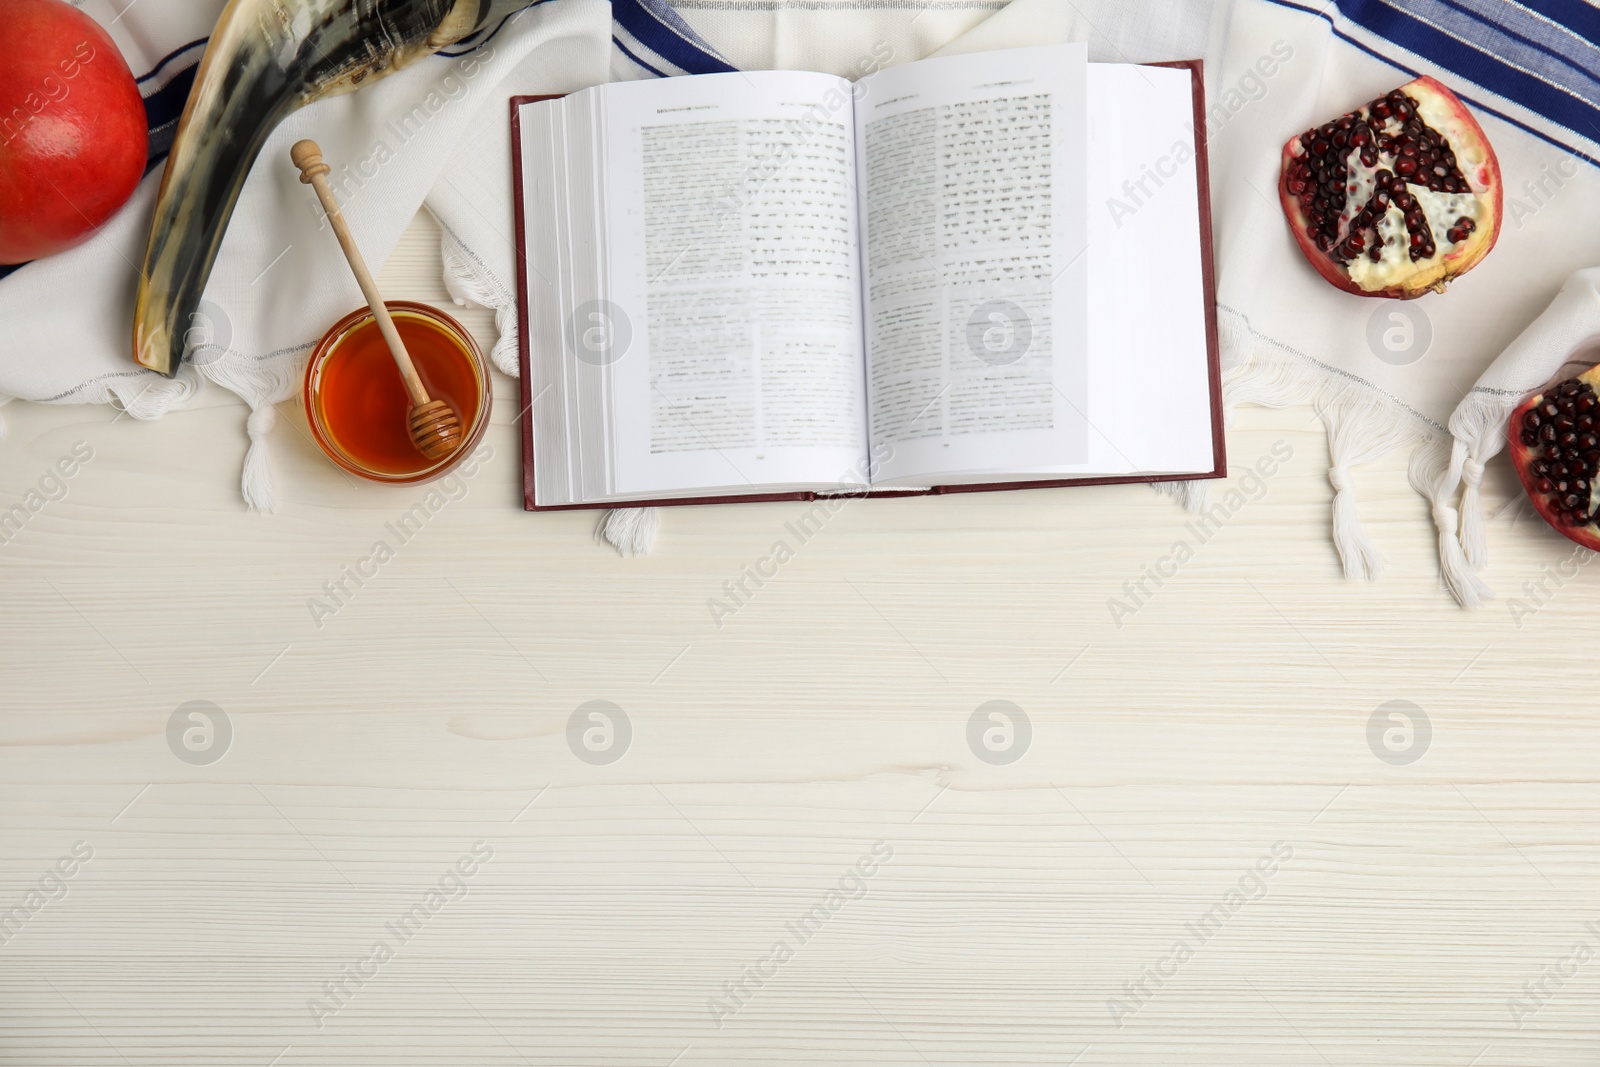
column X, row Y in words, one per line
column 1361, row 428
column 631, row 531
column 1479, row 427
column 1194, row 495
column 256, row 482
column 261, row 384
column 1464, row 584
column 1473, row 541
column 1430, row 474
column 1360, row 557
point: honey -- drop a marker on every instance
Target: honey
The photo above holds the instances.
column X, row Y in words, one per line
column 359, row 407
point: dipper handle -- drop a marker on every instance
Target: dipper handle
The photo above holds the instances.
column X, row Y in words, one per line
column 314, row 172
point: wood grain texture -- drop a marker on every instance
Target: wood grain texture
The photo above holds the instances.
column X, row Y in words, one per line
column 375, row 745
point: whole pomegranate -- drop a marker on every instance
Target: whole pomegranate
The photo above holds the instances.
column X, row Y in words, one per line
column 1397, row 197
column 73, row 143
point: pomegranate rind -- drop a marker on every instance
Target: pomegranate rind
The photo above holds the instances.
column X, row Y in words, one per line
column 74, row 142
column 1461, row 129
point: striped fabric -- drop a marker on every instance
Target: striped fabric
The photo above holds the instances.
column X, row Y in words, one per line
column 484, row 36
column 1534, row 63
column 659, row 41
column 165, row 89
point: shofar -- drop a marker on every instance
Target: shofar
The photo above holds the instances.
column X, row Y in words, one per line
column 267, row 58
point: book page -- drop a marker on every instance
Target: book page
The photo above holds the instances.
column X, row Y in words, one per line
column 1150, row 382
column 1150, row 404
column 564, row 271
column 733, row 262
column 972, row 192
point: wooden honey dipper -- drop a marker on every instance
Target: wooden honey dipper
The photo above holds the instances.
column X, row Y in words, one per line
column 435, row 427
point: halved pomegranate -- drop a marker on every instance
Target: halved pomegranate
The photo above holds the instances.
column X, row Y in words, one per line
column 1555, row 446
column 1394, row 198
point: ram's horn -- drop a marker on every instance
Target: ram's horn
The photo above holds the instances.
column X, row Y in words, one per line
column 265, row 59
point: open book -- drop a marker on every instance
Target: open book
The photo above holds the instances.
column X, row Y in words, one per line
column 980, row 271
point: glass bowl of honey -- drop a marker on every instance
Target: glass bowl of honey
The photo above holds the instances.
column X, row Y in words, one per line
column 358, row 406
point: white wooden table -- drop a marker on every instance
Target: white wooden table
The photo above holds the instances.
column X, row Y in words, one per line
column 1433, row 899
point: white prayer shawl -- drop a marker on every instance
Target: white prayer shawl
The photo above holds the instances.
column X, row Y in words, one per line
column 1382, row 374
